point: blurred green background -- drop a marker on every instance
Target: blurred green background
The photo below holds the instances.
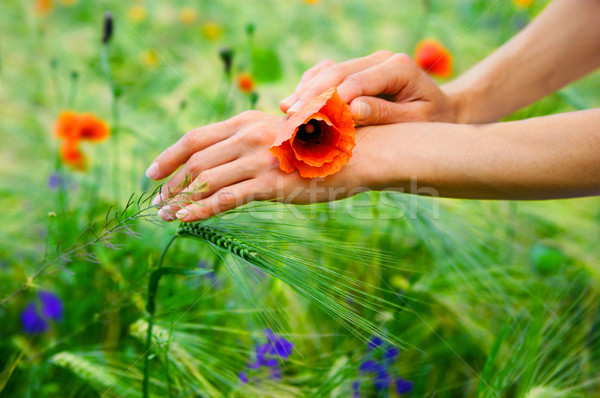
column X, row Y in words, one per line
column 483, row 299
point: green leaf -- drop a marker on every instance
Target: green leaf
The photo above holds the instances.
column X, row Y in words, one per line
column 266, row 66
column 157, row 274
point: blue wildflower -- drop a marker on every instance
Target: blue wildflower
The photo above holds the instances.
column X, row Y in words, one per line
column 52, row 306
column 403, row 386
column 374, row 342
column 356, row 389
column 380, row 357
column 279, row 345
column 391, row 354
column 268, row 355
column 369, row 366
column 54, row 181
column 32, row 322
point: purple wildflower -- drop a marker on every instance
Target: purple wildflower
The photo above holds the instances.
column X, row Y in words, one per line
column 276, row 373
column 391, row 354
column 52, row 306
column 382, row 379
column 32, row 322
column 369, row 366
column 54, row 181
column 268, row 355
column 374, row 342
column 403, row 386
column 379, row 359
column 279, row 345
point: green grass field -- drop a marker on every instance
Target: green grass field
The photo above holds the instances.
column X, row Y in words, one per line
column 379, row 295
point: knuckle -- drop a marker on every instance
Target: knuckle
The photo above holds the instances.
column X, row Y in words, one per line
column 355, row 79
column 333, row 73
column 189, row 139
column 194, row 164
column 245, row 116
column 401, row 59
column 226, row 199
column 257, row 137
column 383, row 54
column 325, row 62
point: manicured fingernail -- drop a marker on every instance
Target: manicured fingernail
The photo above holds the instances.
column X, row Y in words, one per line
column 166, row 214
column 294, row 108
column 152, row 171
column 182, row 214
column 363, row 110
column 157, row 199
column 286, row 102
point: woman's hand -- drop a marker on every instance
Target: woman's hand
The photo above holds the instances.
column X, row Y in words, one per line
column 381, row 88
column 228, row 164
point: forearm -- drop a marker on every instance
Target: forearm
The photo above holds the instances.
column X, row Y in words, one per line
column 542, row 158
column 561, row 45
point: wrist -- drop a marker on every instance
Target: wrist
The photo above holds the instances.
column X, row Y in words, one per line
column 458, row 102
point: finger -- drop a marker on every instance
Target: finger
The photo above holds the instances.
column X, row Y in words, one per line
column 192, row 142
column 285, row 104
column 215, row 155
column 221, row 201
column 210, row 182
column 397, row 76
column 334, row 75
column 368, row 111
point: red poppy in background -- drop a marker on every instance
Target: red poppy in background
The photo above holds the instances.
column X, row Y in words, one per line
column 71, row 155
column 245, row 83
column 317, row 140
column 81, row 126
column 72, row 128
column 433, row 58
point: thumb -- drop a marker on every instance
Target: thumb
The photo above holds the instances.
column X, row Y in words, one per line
column 372, row 110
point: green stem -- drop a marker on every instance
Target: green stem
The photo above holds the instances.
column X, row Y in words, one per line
column 115, row 119
column 150, row 306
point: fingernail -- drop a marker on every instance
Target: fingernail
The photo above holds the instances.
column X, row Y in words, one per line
column 152, row 171
column 182, row 214
column 286, row 102
column 157, row 199
column 364, row 110
column 166, row 214
column 294, row 108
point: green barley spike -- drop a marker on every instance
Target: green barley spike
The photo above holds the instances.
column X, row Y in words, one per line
column 218, row 238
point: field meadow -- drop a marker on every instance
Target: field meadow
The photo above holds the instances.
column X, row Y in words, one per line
column 379, row 295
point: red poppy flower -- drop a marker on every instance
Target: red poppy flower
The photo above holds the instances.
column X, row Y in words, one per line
column 317, row 140
column 84, row 126
column 72, row 155
column 72, row 128
column 245, row 83
column 434, row 58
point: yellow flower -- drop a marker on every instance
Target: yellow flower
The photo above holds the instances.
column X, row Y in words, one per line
column 137, row 13
column 211, row 31
column 187, row 15
column 311, row 1
column 150, row 58
column 523, row 3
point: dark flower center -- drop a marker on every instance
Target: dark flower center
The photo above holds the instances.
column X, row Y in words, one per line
column 309, row 132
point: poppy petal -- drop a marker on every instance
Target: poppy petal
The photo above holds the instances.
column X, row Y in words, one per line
column 322, row 156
